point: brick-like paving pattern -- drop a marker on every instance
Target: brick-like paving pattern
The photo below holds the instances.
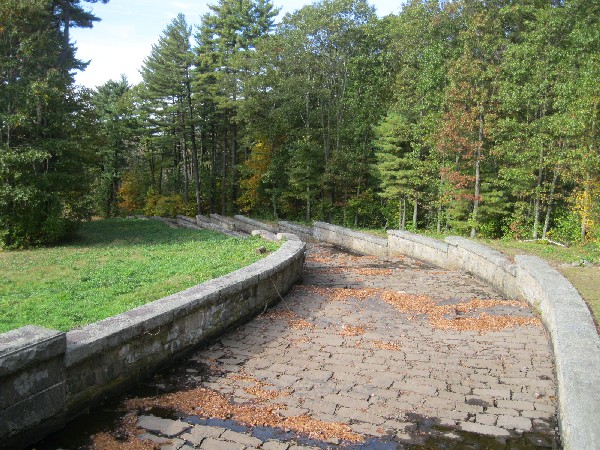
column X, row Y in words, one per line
column 392, row 378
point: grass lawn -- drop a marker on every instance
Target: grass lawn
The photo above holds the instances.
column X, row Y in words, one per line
column 112, row 266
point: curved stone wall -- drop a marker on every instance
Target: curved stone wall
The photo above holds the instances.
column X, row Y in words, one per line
column 574, row 338
column 48, row 377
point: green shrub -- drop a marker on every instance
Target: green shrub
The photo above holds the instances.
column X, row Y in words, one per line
column 168, row 205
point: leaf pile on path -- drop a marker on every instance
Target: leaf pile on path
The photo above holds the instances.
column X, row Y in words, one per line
column 387, row 345
column 353, row 330
column 127, row 439
column 342, row 294
column 210, row 404
column 293, row 319
column 451, row 317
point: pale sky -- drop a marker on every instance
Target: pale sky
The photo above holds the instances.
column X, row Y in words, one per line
column 120, row 42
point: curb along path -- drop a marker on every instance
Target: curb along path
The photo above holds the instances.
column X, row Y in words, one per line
column 368, row 353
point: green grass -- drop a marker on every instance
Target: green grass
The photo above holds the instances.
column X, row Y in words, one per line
column 112, row 266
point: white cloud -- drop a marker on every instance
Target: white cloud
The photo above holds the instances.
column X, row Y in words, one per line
column 120, row 42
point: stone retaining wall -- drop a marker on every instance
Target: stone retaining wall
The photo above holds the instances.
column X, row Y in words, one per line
column 303, row 232
column 351, row 240
column 248, row 225
column 48, row 377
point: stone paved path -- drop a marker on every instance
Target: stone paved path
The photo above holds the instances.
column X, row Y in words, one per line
column 353, row 359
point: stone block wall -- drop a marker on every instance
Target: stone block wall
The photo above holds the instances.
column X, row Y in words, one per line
column 48, row 377
column 351, row 240
column 420, row 247
column 576, row 347
column 303, row 232
column 248, row 225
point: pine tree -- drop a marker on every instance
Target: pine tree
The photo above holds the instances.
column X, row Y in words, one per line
column 45, row 127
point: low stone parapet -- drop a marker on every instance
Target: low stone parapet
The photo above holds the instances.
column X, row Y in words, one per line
column 248, row 225
column 576, row 346
column 303, row 232
column 574, row 338
column 351, row 240
column 48, row 377
column 419, row 247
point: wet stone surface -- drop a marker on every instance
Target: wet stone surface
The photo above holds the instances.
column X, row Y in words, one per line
column 368, row 353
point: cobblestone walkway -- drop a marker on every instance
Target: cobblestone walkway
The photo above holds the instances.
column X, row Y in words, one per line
column 368, row 353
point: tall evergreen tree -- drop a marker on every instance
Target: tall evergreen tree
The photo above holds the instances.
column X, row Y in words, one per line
column 167, row 75
column 226, row 40
column 44, row 146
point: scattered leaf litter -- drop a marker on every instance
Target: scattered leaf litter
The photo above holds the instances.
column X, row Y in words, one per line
column 352, row 271
column 207, row 403
column 387, row 345
column 342, row 294
column 353, row 330
column 301, row 324
column 447, row 317
column 126, row 439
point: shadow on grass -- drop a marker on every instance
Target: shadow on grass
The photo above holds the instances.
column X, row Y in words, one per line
column 136, row 232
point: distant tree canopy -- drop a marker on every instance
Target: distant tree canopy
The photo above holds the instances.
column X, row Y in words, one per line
column 479, row 118
column 46, row 149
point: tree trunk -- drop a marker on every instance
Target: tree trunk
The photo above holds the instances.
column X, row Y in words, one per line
column 550, row 201
column 66, row 18
column 585, row 212
column 195, row 169
column 234, row 151
column 415, row 213
column 477, row 178
column 186, row 180
column 403, row 217
column 538, row 197
column 224, row 177
column 213, row 169
column 308, row 212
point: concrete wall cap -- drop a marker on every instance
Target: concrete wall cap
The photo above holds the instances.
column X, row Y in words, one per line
column 494, row 256
column 351, row 233
column 576, row 347
column 417, row 238
column 27, row 345
column 260, row 225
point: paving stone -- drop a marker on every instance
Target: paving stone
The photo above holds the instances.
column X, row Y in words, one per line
column 511, row 422
column 439, row 403
column 197, row 434
column 275, row 445
column 368, row 429
column 515, row 404
column 175, row 444
column 349, row 402
column 361, row 416
column 164, row 427
column 241, row 438
column 410, row 386
column 486, row 419
column 493, row 393
column 214, row 444
column 479, row 428
column 317, row 375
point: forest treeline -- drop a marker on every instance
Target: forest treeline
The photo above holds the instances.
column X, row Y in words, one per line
column 475, row 117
